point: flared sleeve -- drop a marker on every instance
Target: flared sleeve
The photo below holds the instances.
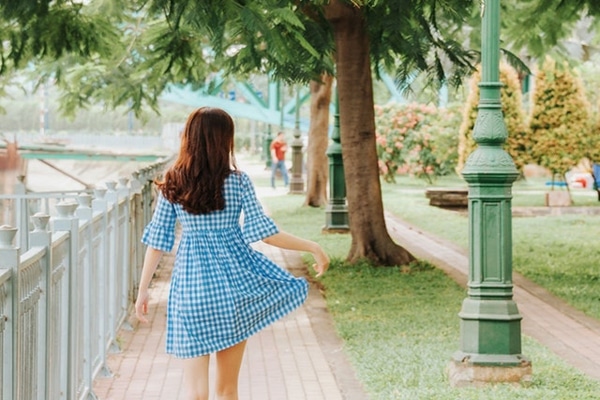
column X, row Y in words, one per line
column 256, row 224
column 160, row 232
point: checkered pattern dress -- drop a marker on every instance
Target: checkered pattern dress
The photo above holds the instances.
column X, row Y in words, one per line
column 222, row 291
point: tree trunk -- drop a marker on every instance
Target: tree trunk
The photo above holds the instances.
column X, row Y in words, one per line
column 317, row 163
column 370, row 238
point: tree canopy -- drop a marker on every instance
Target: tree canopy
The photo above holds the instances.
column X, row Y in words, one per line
column 127, row 52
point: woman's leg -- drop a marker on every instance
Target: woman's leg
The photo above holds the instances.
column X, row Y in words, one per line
column 229, row 362
column 195, row 377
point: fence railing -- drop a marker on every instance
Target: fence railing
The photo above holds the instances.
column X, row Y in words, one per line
column 69, row 272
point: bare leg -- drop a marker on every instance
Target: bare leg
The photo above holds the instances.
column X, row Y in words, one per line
column 195, row 377
column 229, row 362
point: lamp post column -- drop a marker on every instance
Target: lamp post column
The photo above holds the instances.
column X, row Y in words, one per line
column 296, row 181
column 267, row 139
column 336, row 212
column 490, row 338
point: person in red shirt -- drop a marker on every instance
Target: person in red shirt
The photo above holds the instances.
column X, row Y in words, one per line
column 278, row 149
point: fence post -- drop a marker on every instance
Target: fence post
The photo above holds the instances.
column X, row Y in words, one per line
column 47, row 365
column 112, row 199
column 66, row 221
column 22, row 213
column 137, row 226
column 9, row 259
column 89, row 298
column 124, row 263
column 100, row 205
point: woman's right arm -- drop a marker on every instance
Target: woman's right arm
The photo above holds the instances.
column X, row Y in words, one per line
column 151, row 261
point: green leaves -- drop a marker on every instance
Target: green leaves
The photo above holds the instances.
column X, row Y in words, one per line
column 51, row 30
column 560, row 120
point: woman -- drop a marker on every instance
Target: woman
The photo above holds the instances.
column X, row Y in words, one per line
column 222, row 291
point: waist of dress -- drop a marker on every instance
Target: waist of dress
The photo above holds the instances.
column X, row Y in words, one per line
column 211, row 231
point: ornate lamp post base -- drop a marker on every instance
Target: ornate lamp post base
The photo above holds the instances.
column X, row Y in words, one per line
column 490, row 345
column 466, row 374
column 336, row 219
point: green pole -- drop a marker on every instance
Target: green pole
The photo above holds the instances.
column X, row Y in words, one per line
column 268, row 138
column 273, row 99
column 296, row 181
column 490, row 342
column 336, row 212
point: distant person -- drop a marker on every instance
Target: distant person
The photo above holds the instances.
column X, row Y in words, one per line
column 278, row 149
column 222, row 291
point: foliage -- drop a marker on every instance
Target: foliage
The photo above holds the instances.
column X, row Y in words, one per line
column 553, row 27
column 31, row 30
column 126, row 52
column 398, row 136
column 590, row 75
column 416, row 139
column 443, row 127
column 560, row 120
column 512, row 108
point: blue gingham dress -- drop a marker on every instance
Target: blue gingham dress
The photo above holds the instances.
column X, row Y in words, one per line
column 222, row 291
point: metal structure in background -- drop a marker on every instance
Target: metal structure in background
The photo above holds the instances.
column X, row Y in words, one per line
column 490, row 343
column 336, row 212
column 67, row 285
column 244, row 100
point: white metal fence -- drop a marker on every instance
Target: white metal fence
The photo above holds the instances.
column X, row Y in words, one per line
column 69, row 270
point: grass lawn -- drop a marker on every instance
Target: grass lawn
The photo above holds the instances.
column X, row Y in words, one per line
column 559, row 253
column 401, row 327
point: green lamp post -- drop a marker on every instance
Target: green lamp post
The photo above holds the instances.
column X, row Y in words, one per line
column 296, row 181
column 267, row 140
column 490, row 342
column 336, row 212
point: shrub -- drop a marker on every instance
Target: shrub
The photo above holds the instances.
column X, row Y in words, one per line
column 560, row 119
column 416, row 139
column 589, row 72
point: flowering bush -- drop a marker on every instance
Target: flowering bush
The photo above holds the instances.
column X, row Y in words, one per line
column 411, row 138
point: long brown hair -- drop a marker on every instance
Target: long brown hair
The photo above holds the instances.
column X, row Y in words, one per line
column 205, row 159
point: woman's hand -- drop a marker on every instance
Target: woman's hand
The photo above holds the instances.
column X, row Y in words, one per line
column 321, row 262
column 141, row 306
